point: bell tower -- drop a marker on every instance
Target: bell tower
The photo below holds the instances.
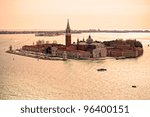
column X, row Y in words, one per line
column 68, row 35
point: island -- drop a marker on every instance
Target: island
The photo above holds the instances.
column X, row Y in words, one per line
column 81, row 49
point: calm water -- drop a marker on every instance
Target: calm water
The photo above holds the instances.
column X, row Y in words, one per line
column 28, row 78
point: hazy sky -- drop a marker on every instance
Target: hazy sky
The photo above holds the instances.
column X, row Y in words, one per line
column 83, row 14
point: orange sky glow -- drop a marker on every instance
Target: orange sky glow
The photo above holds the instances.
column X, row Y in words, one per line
column 83, row 14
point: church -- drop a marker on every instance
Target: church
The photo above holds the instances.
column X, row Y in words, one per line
column 84, row 49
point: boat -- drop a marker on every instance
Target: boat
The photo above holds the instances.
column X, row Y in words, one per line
column 133, row 86
column 121, row 57
column 101, row 69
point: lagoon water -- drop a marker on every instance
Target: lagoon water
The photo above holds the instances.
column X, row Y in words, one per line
column 27, row 78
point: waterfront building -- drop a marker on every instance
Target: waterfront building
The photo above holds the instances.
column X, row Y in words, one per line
column 103, row 52
column 54, row 51
column 129, row 53
column 96, row 53
column 65, row 55
column 99, row 52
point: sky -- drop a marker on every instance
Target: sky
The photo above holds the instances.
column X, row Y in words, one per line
column 82, row 14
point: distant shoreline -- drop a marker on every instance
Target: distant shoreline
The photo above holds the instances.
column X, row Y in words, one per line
column 76, row 31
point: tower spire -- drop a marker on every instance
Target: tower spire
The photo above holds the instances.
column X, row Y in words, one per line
column 68, row 25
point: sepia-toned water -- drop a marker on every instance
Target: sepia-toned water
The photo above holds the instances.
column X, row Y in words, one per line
column 28, row 78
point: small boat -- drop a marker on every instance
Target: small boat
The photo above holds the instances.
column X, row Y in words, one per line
column 101, row 69
column 121, row 57
column 133, row 86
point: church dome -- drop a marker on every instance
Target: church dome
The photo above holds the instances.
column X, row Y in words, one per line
column 89, row 40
